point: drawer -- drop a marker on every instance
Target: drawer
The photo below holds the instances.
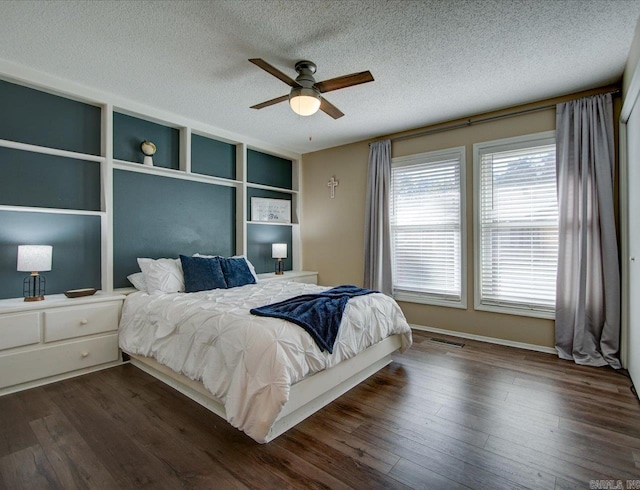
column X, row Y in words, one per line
column 20, row 329
column 21, row 367
column 68, row 323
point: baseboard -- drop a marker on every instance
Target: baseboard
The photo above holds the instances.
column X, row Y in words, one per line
column 482, row 338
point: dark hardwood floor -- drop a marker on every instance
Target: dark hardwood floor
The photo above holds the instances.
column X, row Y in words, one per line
column 481, row 417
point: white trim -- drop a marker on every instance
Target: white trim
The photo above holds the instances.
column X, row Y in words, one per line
column 459, row 152
column 631, row 98
column 51, row 151
column 106, row 129
column 503, row 144
column 185, row 149
column 241, row 199
column 428, row 299
column 31, row 209
column 482, row 338
column 623, row 199
column 532, row 312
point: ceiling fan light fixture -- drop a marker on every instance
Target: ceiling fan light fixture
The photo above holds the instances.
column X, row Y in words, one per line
column 304, row 101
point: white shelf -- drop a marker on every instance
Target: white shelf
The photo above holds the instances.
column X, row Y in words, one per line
column 51, row 151
column 31, row 209
column 174, row 174
column 271, row 188
column 269, row 223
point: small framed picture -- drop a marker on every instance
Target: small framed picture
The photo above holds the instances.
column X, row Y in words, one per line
column 270, row 210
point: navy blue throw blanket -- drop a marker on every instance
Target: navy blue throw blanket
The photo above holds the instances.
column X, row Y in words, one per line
column 319, row 314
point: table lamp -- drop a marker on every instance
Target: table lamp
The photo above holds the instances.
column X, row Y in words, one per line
column 34, row 259
column 279, row 252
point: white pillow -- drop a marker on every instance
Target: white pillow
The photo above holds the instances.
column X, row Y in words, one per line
column 138, row 281
column 162, row 275
column 251, row 267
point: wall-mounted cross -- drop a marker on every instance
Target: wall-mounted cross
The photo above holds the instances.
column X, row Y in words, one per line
column 333, row 183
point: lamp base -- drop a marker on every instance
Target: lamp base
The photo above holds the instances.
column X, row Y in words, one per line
column 34, row 298
column 279, row 267
column 33, row 287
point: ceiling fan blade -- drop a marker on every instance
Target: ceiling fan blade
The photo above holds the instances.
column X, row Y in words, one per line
column 344, row 81
column 270, row 102
column 328, row 108
column 274, row 71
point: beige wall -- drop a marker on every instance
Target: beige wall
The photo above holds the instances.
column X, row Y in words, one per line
column 333, row 230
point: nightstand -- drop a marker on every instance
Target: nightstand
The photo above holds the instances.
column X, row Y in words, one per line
column 57, row 338
column 307, row 277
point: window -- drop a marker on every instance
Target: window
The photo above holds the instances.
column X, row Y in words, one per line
column 516, row 239
column 428, row 227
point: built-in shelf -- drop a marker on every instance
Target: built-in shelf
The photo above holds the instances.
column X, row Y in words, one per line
column 31, row 209
column 269, row 223
column 269, row 188
column 176, row 174
column 48, row 120
column 51, row 151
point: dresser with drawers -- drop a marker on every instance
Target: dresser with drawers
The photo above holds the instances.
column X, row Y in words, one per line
column 57, row 338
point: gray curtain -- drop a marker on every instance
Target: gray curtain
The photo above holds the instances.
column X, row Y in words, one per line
column 588, row 283
column 377, row 238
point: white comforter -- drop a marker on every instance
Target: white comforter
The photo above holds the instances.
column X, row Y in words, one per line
column 248, row 362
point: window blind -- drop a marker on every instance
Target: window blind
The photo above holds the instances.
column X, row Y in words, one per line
column 518, row 226
column 426, row 225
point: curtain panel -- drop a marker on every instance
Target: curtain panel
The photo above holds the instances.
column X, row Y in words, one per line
column 588, row 281
column 377, row 236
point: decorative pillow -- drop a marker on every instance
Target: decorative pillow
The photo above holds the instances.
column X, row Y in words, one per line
column 202, row 274
column 162, row 275
column 251, row 267
column 236, row 272
column 137, row 280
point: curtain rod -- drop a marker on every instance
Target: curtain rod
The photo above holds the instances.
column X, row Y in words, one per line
column 470, row 121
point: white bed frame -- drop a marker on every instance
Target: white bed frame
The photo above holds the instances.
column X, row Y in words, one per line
column 305, row 398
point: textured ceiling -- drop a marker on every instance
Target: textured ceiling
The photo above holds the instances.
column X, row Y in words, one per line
column 432, row 60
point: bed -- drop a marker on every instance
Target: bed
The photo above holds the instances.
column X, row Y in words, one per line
column 263, row 375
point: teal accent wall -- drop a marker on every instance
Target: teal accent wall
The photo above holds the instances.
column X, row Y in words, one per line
column 46, row 181
column 158, row 217
column 76, row 250
column 259, row 240
column 153, row 215
column 38, row 118
column 269, row 170
column 213, row 157
column 129, row 132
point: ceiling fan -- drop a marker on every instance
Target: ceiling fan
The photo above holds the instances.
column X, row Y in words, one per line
column 305, row 98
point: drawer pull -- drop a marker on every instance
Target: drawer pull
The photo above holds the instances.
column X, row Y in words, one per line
column 84, row 321
column 85, row 354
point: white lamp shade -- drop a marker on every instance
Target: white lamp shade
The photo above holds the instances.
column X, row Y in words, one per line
column 34, row 258
column 304, row 101
column 279, row 250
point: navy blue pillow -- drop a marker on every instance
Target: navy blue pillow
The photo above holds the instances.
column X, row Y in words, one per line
column 202, row 274
column 236, row 272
